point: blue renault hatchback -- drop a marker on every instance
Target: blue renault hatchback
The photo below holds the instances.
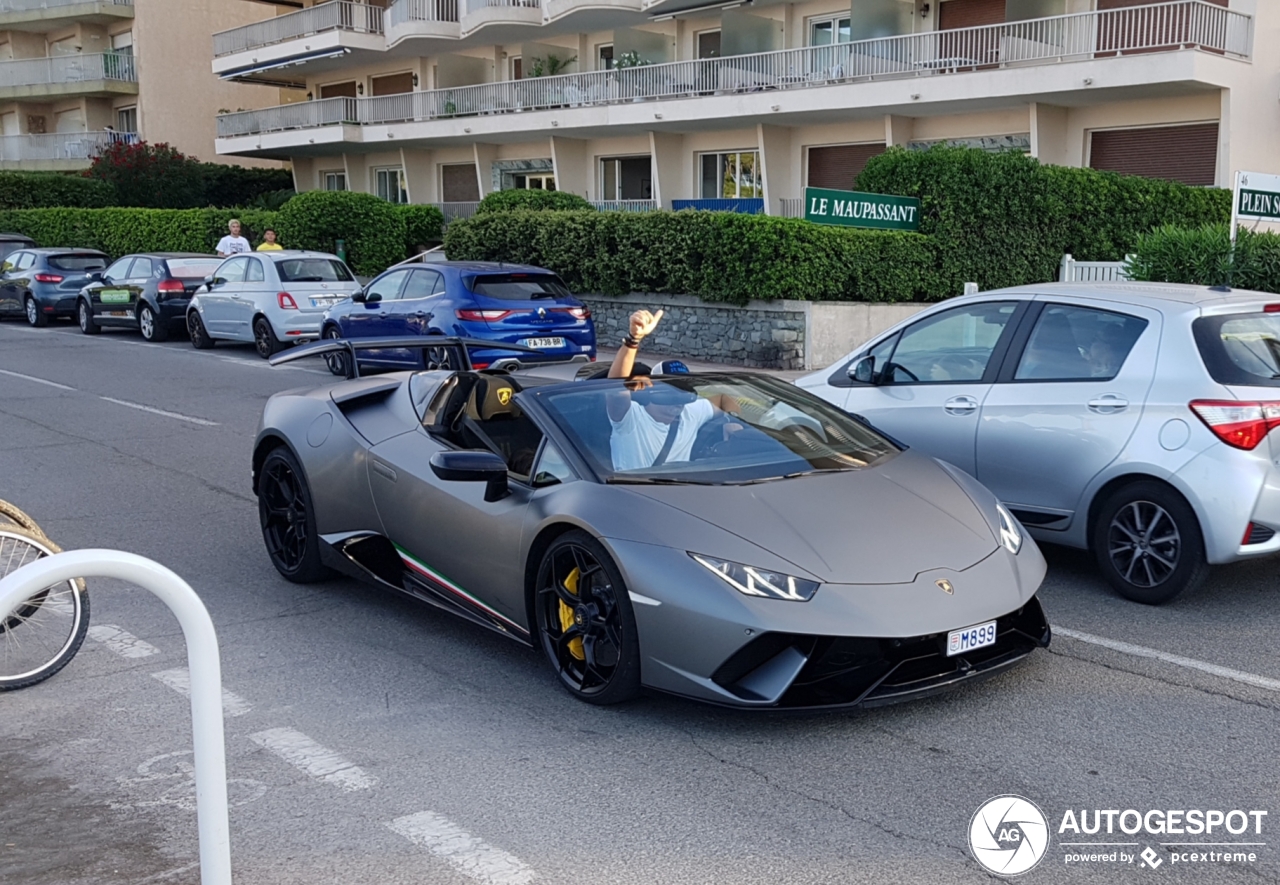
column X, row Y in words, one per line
column 511, row 303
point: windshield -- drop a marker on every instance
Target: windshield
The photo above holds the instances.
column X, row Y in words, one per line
column 193, row 268
column 520, row 286
column 77, row 262
column 313, row 270
column 1241, row 348
column 728, row 429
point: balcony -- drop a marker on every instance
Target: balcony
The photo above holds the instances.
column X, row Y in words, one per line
column 100, row 75
column 56, row 152
column 422, row 18
column 484, row 13
column 46, row 15
column 325, row 31
column 816, row 80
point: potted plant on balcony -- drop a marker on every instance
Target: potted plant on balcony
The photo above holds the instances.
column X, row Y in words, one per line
column 550, row 66
column 627, row 61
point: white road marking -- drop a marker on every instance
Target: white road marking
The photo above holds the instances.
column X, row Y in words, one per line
column 122, row 642
column 319, row 762
column 180, row 681
column 472, row 857
column 36, row 380
column 154, row 411
column 1169, row 658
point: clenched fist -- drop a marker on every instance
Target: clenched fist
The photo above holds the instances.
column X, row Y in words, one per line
column 643, row 322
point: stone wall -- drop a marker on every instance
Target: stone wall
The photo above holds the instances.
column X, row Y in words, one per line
column 763, row 335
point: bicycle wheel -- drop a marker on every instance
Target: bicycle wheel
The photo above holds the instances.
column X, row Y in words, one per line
column 42, row 634
column 10, row 514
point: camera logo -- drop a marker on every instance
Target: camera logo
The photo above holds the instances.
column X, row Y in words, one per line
column 1008, row 835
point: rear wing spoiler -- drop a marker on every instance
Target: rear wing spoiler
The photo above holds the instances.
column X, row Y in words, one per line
column 458, row 357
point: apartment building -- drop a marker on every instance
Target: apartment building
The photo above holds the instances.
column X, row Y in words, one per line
column 742, row 104
column 71, row 68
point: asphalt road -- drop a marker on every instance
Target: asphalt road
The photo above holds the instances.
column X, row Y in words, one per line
column 376, row 740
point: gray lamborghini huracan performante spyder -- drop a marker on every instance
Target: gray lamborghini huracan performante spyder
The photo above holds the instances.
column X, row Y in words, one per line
column 775, row 552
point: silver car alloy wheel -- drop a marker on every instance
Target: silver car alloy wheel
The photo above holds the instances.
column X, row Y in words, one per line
column 33, row 311
column 146, row 323
column 83, row 314
column 1144, row 543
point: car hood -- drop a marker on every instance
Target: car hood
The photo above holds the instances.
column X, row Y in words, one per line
column 878, row 525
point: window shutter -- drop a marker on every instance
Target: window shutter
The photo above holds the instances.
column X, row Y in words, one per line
column 1188, row 154
column 460, row 183
column 970, row 13
column 838, row 167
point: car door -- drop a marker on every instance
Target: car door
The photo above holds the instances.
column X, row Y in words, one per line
column 218, row 299
column 929, row 387
column 1065, row 403
column 109, row 299
column 411, row 313
column 467, row 548
column 374, row 319
column 251, row 297
column 13, row 282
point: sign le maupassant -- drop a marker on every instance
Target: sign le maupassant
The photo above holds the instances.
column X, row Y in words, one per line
column 853, row 209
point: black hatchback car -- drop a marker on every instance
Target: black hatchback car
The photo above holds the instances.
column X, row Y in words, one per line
column 146, row 291
column 44, row 283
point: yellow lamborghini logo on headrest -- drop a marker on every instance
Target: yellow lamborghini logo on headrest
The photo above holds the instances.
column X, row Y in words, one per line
column 504, row 395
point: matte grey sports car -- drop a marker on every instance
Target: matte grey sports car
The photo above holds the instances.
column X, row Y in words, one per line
column 774, row 552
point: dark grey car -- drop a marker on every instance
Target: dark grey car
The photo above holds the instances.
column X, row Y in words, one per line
column 41, row 284
column 787, row 556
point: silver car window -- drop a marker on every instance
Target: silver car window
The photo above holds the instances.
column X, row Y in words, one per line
column 233, row 271
column 254, row 272
column 1078, row 344
column 954, row 345
column 1241, row 349
column 25, row 260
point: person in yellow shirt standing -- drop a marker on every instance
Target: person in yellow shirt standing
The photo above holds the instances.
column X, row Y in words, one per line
column 269, row 243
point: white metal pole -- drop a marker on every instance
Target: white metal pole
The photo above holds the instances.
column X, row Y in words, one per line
column 202, row 658
column 1235, row 211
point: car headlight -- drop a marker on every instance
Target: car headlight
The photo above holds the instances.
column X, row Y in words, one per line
column 1010, row 534
column 752, row 581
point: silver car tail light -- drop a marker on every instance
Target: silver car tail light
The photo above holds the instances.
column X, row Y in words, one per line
column 286, row 302
column 1242, row 425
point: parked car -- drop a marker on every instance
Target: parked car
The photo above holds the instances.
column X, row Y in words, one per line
column 720, row 574
column 148, row 292
column 1131, row 419
column 269, row 298
column 10, row 243
column 44, row 283
column 510, row 303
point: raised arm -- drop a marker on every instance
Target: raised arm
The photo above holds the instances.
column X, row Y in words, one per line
column 642, row 323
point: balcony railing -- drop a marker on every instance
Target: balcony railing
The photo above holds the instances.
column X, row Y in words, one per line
column 336, row 15
column 625, row 205
column 455, row 211
column 404, row 11
column 1159, row 27
column 68, row 69
column 59, row 145
column 36, row 5
column 793, row 207
column 299, row 115
column 476, row 5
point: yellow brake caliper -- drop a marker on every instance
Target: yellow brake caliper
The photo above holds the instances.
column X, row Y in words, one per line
column 566, row 616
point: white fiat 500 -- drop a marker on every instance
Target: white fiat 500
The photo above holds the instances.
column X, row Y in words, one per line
column 272, row 299
column 1131, row 419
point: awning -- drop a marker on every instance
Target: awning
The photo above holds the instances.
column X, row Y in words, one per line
column 241, row 73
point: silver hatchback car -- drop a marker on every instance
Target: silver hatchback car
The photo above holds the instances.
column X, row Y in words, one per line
column 1131, row 419
column 272, row 299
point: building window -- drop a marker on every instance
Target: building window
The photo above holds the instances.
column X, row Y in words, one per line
column 339, row 90
column 334, row 181
column 604, row 57
column 459, row 184
column 626, row 178
column 535, row 182
column 734, row 176
column 389, row 183
column 838, row 166
column 127, row 119
column 709, row 44
column 829, row 30
column 123, row 43
column 517, row 68
column 1188, row 154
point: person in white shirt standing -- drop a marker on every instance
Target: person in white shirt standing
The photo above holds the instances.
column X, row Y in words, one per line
column 233, row 243
column 665, row 426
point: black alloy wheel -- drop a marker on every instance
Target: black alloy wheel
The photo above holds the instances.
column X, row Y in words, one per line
column 1148, row 545
column 84, row 314
column 152, row 327
column 338, row 363
column 200, row 338
column 35, row 316
column 264, row 338
column 585, row 620
column 439, row 358
column 288, row 519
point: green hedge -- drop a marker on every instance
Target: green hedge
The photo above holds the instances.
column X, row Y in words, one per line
column 1202, row 256
column 373, row 231
column 424, row 226
column 121, row 231
column 227, row 186
column 715, row 255
column 1002, row 219
column 536, row 200
column 35, row 190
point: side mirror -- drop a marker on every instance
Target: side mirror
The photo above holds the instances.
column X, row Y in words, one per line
column 95, row 276
column 372, row 298
column 357, row 296
column 864, row 370
column 473, row 466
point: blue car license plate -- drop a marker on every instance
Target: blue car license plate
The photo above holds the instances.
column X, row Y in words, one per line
column 544, row 343
column 977, row 636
